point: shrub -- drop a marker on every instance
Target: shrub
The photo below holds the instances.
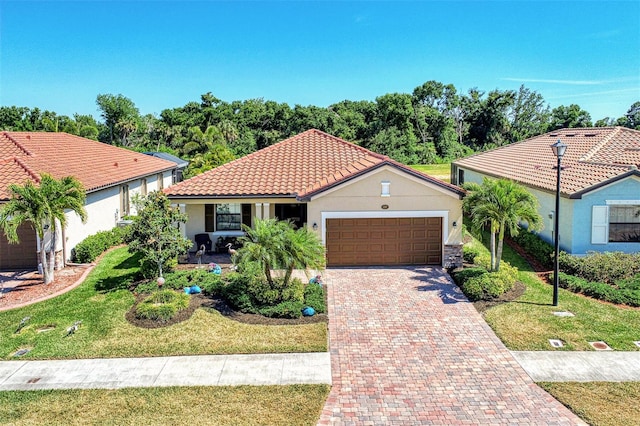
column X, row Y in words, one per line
column 607, row 267
column 478, row 284
column 469, row 253
column 314, row 297
column 599, row 290
column 461, row 276
column 162, row 305
column 288, row 309
column 536, row 247
column 94, row 245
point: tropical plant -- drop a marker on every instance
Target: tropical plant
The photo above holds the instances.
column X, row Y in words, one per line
column 44, row 207
column 154, row 232
column 503, row 205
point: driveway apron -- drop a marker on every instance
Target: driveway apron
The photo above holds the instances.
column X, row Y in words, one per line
column 407, row 347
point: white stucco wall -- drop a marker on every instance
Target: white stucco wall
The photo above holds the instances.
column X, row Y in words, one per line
column 103, row 210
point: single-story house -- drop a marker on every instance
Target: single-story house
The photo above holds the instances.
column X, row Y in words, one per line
column 600, row 184
column 110, row 175
column 367, row 208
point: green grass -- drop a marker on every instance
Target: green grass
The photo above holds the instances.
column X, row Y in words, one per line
column 440, row 171
column 528, row 322
column 600, row 403
column 101, row 303
column 245, row 405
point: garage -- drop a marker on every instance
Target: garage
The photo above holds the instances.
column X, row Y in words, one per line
column 384, row 241
column 22, row 255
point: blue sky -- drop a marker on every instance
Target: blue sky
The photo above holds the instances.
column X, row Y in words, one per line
column 60, row 55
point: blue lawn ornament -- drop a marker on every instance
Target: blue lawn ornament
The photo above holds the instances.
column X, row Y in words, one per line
column 308, row 311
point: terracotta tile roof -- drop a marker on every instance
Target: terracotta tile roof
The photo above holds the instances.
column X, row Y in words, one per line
column 25, row 155
column 300, row 166
column 593, row 157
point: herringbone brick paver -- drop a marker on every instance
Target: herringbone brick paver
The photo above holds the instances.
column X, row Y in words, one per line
column 407, row 347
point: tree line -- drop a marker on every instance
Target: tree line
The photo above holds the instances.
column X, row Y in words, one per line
column 434, row 123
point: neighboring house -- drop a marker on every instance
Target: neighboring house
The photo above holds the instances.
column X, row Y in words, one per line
column 110, row 175
column 600, row 184
column 180, row 164
column 366, row 208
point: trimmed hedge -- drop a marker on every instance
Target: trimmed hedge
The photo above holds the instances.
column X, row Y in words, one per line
column 608, row 267
column 469, row 253
column 94, row 245
column 598, row 290
column 536, row 247
column 210, row 284
column 479, row 284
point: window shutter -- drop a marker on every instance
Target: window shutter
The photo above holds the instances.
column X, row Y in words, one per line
column 600, row 225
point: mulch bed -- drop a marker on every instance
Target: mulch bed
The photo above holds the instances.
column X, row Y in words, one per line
column 202, row 301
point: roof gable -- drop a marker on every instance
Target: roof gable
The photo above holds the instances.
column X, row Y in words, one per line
column 594, row 157
column 300, row 166
column 26, row 155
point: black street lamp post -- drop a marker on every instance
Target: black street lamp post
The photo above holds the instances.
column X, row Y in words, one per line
column 558, row 149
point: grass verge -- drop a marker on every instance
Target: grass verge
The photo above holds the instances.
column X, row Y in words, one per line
column 528, row 322
column 101, row 303
column 246, row 405
column 440, row 171
column 599, row 403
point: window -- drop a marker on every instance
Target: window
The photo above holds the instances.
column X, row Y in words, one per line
column 624, row 223
column 124, row 200
column 223, row 217
column 386, row 189
column 460, row 176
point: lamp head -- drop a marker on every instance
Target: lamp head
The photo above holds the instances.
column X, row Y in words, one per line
column 558, row 149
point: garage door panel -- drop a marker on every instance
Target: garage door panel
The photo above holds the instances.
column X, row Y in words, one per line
column 384, row 241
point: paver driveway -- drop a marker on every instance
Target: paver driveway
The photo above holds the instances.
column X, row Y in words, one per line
column 408, row 348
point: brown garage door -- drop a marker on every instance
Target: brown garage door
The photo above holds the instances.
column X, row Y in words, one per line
column 19, row 256
column 384, row 241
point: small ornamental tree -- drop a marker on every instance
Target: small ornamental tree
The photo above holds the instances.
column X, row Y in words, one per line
column 155, row 233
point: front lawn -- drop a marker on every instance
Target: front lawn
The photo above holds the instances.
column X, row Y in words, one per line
column 228, row 405
column 528, row 322
column 101, row 303
column 599, row 403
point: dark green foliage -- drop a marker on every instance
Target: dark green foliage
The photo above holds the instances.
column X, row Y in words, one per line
column 541, row 250
column 314, row 297
column 288, row 309
column 469, row 253
column 608, row 267
column 94, row 245
column 598, row 290
column 247, row 293
column 162, row 305
column 210, row 284
column 479, row 284
column 463, row 275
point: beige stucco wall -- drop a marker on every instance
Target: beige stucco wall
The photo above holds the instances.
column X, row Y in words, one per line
column 409, row 197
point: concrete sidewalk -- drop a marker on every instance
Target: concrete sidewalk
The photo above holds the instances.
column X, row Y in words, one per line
column 580, row 366
column 203, row 370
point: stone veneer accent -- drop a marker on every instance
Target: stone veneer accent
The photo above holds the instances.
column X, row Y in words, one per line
column 452, row 256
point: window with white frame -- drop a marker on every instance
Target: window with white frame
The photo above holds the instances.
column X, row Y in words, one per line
column 617, row 222
column 624, row 223
column 385, row 191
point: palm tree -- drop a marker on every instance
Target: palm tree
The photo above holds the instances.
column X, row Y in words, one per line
column 44, row 207
column 502, row 204
column 273, row 244
column 303, row 250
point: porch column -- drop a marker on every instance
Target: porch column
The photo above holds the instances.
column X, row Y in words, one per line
column 265, row 212
column 259, row 210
